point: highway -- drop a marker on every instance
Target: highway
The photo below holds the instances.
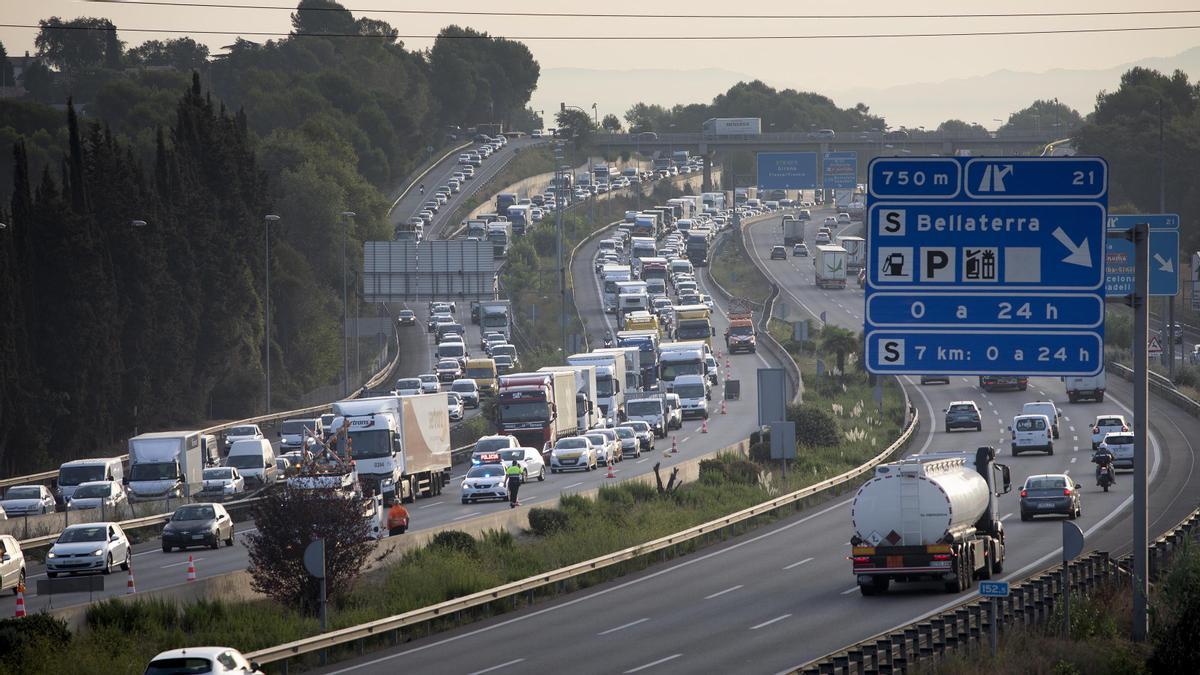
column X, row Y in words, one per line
column 784, row 594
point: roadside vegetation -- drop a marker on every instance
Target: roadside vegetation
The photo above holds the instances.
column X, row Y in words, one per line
column 737, row 273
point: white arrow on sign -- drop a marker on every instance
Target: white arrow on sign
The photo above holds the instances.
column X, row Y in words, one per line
column 1164, row 265
column 1080, row 255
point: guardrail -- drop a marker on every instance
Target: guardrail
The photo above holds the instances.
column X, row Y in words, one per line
column 391, row 625
column 425, row 172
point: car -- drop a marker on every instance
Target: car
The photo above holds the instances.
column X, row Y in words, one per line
column 242, row 432
column 644, row 432
column 574, row 453
column 1120, row 444
column 991, row 383
column 489, row 447
column 283, row 466
column 830, row 221
column 607, row 451
column 491, row 337
column 707, row 301
column 778, row 253
column 822, row 238
column 406, row 317
column 843, row 218
column 800, row 250
column 430, row 384
column 408, row 386
column 693, row 395
column 484, row 481
column 468, row 390
column 963, row 415
column 221, row 482
column 200, row 524
column 202, row 661
column 467, row 171
column 530, row 460
column 504, row 364
column 712, row 369
column 1048, row 494
column 935, row 379
column 98, row 494
column 448, row 370
column 614, row 441
column 674, row 411
column 862, row 278
column 1046, row 408
column 631, row 445
column 1104, row 425
column 27, row 500
column 454, row 406
column 89, row 547
column 506, row 350
column 12, row 564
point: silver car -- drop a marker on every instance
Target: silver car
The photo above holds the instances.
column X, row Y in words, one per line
column 27, row 500
column 630, row 444
column 607, row 451
column 88, row 547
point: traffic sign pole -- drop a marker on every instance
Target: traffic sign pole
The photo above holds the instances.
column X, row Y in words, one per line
column 1141, row 366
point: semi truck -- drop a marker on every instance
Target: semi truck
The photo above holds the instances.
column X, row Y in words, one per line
column 646, row 340
column 856, row 252
column 692, row 322
column 697, row 248
column 521, row 217
column 610, row 383
column 505, row 200
column 165, row 464
column 732, row 126
column 793, row 230
column 499, row 233
column 830, row 264
column 931, row 517
column 633, row 364
column 496, row 315
column 537, row 408
column 680, row 358
column 587, row 412
column 400, row 444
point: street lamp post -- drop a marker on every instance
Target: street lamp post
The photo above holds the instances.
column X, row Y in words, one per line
column 347, row 218
column 267, row 220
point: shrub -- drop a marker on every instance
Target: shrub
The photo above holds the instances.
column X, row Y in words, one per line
column 454, row 540
column 641, row 492
column 713, row 471
column 500, row 539
column 545, row 522
column 1177, row 617
column 814, row 426
column 138, row 616
column 36, row 632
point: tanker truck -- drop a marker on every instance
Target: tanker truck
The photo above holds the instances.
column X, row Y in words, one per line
column 930, row 517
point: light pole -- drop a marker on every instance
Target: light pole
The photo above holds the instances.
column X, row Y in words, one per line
column 562, row 273
column 347, row 217
column 267, row 220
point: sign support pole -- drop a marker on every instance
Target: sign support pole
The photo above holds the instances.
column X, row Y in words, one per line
column 1141, row 318
column 995, row 630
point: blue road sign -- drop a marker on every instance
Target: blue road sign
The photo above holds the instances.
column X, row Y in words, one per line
column 981, row 265
column 841, row 170
column 787, row 170
column 993, row 589
column 1164, row 254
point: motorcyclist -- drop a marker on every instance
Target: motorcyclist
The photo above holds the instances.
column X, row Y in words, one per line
column 607, row 338
column 422, row 188
column 1104, row 457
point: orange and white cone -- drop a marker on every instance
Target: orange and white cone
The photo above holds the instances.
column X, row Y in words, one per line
column 20, row 602
column 191, row 573
column 674, row 445
column 723, row 412
column 610, row 471
column 130, row 589
column 704, row 426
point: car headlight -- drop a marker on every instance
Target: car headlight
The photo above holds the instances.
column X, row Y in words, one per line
column 51, row 555
column 98, row 552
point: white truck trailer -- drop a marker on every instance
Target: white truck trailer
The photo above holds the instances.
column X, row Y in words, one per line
column 610, row 383
column 830, row 264
column 399, row 444
column 587, row 411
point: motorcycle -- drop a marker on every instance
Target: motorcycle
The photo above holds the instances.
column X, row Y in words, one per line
column 1104, row 476
column 607, row 341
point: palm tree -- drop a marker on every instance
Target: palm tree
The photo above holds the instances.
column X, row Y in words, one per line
column 840, row 342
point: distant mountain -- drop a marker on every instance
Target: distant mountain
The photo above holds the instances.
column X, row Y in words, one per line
column 614, row 91
column 987, row 97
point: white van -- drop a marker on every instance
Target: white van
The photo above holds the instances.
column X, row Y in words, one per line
column 255, row 460
column 693, row 395
column 1046, row 408
column 1080, row 388
column 77, row 472
column 1031, row 432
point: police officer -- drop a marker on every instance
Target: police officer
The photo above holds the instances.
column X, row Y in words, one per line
column 513, row 473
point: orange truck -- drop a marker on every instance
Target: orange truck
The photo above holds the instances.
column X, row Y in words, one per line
column 741, row 336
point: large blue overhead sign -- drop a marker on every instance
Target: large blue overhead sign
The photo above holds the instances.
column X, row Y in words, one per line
column 787, row 170
column 841, row 170
column 1164, row 254
column 986, row 265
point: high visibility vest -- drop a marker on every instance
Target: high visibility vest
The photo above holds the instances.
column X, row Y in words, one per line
column 513, row 471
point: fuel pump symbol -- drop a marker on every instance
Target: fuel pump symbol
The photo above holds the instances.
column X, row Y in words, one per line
column 893, row 265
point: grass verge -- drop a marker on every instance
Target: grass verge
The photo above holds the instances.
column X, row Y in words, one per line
column 737, row 273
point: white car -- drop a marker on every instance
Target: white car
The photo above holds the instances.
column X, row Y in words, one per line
column 693, row 395
column 484, row 481
column 575, row 453
column 242, row 432
column 12, row 563
column 429, row 383
column 408, row 386
column 89, row 547
column 529, row 459
column 224, row 481
column 202, row 661
column 107, row 494
column 843, row 218
column 1120, row 444
column 454, row 406
column 607, row 452
column 1104, row 425
column 831, row 221
column 27, row 500
column 468, row 390
column 712, row 369
column 630, row 443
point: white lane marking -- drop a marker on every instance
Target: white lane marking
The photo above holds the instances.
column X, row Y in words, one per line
column 653, row 663
column 850, row 590
column 720, row 593
column 775, row 620
column 644, row 459
column 797, row 564
column 468, row 515
column 502, row 665
column 685, row 439
column 430, row 505
column 623, row 626
column 1073, row 459
column 600, row 593
column 181, row 562
column 568, row 487
column 1075, row 438
column 1005, row 517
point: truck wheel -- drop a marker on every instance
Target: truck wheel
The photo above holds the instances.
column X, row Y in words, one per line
column 1025, row 517
column 1100, row 398
column 878, row 586
column 1050, row 449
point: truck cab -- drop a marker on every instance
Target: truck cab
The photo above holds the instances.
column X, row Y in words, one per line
column 692, row 323
column 741, row 335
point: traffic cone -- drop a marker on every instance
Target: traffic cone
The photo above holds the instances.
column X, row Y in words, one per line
column 191, row 574
column 723, row 406
column 704, row 426
column 610, row 471
column 20, row 601
column 129, row 587
column 727, row 363
column 674, row 446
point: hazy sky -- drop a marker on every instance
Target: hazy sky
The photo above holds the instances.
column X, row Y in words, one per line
column 810, row 64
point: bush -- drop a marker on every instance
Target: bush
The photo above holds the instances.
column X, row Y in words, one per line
column 575, row 505
column 729, row 469
column 454, row 540
column 1188, row 376
column 761, row 452
column 1177, row 617
column 814, row 426
column 132, row 617
column 36, row 632
column 545, row 522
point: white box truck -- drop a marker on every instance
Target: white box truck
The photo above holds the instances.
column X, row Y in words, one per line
column 610, row 383
column 633, row 364
column 165, row 464
column 830, row 264
column 399, row 445
column 587, row 410
column 856, row 252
